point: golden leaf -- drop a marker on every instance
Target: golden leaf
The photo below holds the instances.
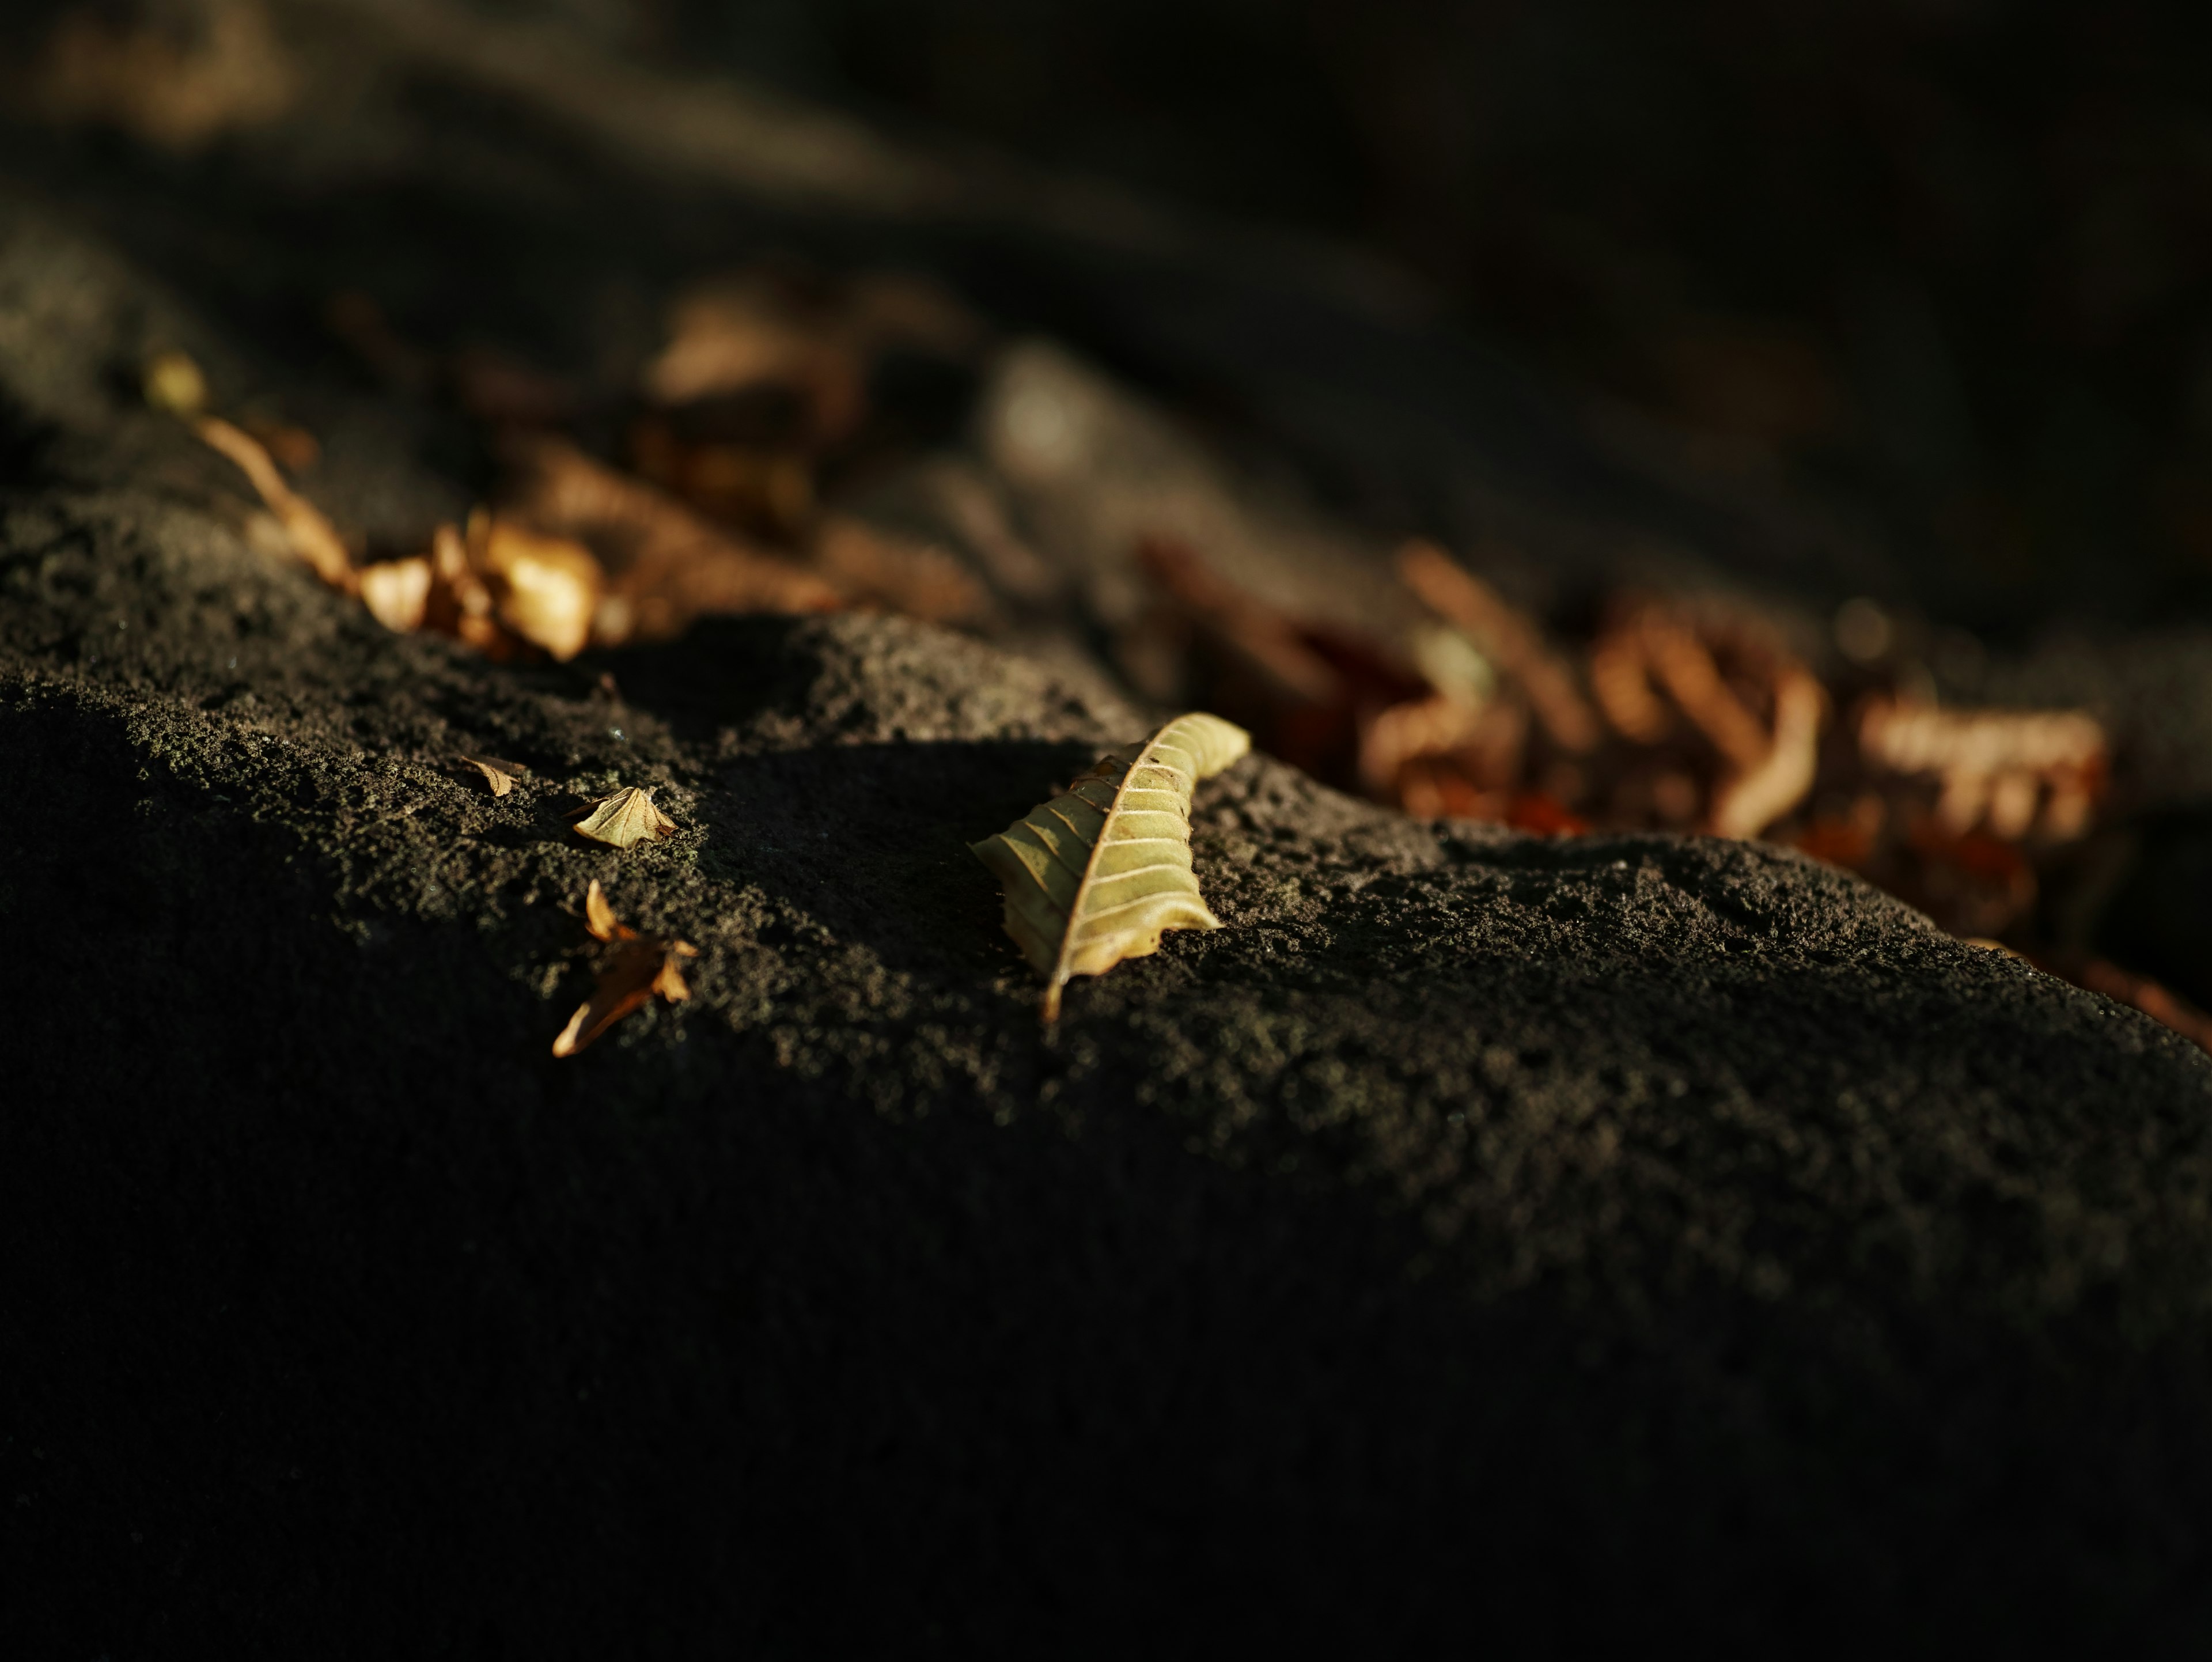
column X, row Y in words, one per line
column 543, row 588
column 1097, row 875
column 641, row 966
column 397, row 592
column 626, row 817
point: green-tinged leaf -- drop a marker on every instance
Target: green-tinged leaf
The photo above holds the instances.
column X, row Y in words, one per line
column 1098, row 875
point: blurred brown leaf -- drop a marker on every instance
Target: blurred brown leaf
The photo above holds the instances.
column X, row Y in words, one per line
column 639, row 967
column 178, row 79
column 397, row 592
column 546, row 589
column 667, row 566
column 624, row 818
column 1510, row 640
column 880, row 567
column 309, row 536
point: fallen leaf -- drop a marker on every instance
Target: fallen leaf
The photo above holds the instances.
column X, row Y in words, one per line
column 461, row 602
column 641, row 966
column 2013, row 770
column 668, row 566
column 397, row 592
column 500, row 776
column 1684, row 664
column 1097, row 874
column 1754, row 798
column 1434, row 726
column 1507, row 638
column 546, row 589
column 624, row 818
column 308, row 535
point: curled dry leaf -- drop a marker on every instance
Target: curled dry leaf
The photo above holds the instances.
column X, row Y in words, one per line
column 1099, row 874
column 308, row 535
column 624, row 818
column 1268, row 642
column 499, row 774
column 1782, row 779
column 639, row 966
column 397, row 592
column 545, row 589
column 1684, row 664
column 1507, row 638
column 668, row 565
column 2016, row 772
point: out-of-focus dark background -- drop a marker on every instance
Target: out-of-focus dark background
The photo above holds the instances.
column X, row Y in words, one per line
column 1948, row 259
column 1951, row 256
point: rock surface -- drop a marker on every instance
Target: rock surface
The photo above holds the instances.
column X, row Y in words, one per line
column 1481, row 1239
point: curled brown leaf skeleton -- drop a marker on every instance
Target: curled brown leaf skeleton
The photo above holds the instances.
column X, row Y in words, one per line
column 641, row 966
column 627, row 816
column 1099, row 874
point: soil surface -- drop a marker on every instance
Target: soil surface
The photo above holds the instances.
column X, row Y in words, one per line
column 1480, row 1239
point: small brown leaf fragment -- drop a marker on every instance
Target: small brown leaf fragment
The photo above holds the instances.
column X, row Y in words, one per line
column 624, row 818
column 1509, row 640
column 310, row 536
column 500, row 776
column 545, row 589
column 641, row 966
column 1754, row 798
column 667, row 566
column 397, row 592
column 600, row 916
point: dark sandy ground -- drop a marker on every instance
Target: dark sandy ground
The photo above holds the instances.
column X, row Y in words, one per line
column 1480, row 1241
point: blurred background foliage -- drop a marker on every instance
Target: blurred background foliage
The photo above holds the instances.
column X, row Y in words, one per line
column 1951, row 256
column 1950, row 259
